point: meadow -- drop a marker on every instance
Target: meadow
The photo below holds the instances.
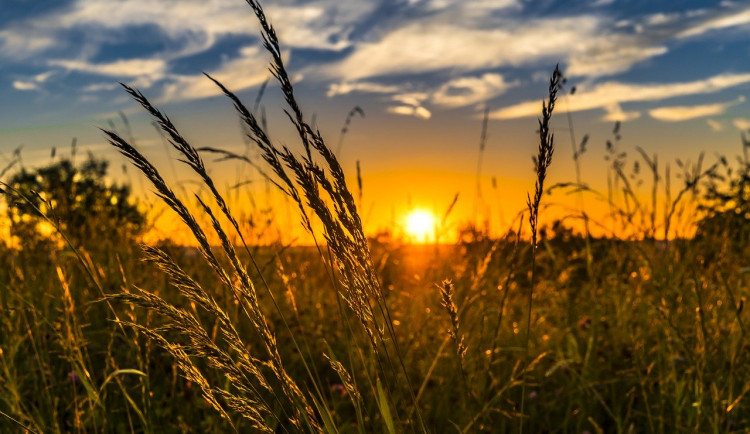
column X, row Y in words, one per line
column 633, row 324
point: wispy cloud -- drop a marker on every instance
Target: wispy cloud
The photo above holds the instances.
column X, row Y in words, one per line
column 715, row 125
column 730, row 17
column 464, row 91
column 741, row 124
column 118, row 68
column 439, row 44
column 346, row 88
column 19, row 42
column 684, row 113
column 605, row 94
column 615, row 113
column 33, row 82
column 411, row 104
column 408, row 110
column 247, row 71
column 455, row 51
column 24, row 85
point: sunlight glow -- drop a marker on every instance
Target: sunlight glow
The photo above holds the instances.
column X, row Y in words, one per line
column 420, row 226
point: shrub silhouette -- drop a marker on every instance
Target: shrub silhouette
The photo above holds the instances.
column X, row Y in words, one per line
column 78, row 200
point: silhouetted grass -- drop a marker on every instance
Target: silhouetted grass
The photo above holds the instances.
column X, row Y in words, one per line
column 631, row 334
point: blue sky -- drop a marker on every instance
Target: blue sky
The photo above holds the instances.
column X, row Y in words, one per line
column 675, row 73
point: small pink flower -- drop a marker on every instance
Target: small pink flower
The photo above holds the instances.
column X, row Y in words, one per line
column 338, row 389
column 74, row 378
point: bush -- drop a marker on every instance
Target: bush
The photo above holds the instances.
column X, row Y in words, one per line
column 77, row 199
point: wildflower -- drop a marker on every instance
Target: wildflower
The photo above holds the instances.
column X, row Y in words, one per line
column 338, row 389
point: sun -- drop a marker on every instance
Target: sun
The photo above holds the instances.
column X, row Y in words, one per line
column 420, row 226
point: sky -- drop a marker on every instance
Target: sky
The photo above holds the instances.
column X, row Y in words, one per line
column 675, row 74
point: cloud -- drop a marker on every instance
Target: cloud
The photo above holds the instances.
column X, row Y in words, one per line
column 456, row 45
column 407, row 110
column 715, row 126
column 726, row 19
column 345, row 88
column 412, row 98
column 98, row 87
column 247, row 71
column 21, row 42
column 118, row 68
column 24, row 85
column 610, row 55
column 470, row 90
column 189, row 26
column 616, row 114
column 612, row 92
column 457, row 92
column 411, row 104
column 33, row 82
column 741, row 124
column 439, row 43
column 185, row 28
column 684, row 113
column 592, row 45
column 476, row 6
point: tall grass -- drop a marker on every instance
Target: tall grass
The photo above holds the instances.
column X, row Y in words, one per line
column 354, row 335
column 315, row 188
column 543, row 160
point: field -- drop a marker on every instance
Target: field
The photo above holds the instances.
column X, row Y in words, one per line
column 547, row 328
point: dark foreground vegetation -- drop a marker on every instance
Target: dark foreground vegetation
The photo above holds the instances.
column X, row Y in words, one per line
column 541, row 330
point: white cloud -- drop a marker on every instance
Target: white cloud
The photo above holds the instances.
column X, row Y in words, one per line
column 616, row 114
column 715, row 126
column 33, row 82
column 118, row 68
column 97, row 87
column 731, row 18
column 590, row 44
column 24, row 85
column 22, row 42
column 407, row 110
column 440, row 43
column 454, row 38
column 468, row 6
column 609, row 55
column 410, row 104
column 683, row 113
column 661, row 18
column 741, row 124
column 316, row 24
column 190, row 26
column 608, row 93
column 412, row 98
column 458, row 92
column 247, row 71
column 362, row 86
column 470, row 90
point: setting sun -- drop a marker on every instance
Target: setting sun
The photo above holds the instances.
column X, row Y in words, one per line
column 420, row 226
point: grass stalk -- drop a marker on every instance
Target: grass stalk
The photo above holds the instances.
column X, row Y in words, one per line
column 543, row 160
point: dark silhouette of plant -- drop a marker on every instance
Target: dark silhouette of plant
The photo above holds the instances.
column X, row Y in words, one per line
column 727, row 201
column 77, row 198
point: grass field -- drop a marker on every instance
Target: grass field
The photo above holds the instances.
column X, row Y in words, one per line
column 543, row 329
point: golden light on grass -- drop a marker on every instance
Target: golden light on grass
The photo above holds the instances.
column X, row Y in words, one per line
column 420, row 226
